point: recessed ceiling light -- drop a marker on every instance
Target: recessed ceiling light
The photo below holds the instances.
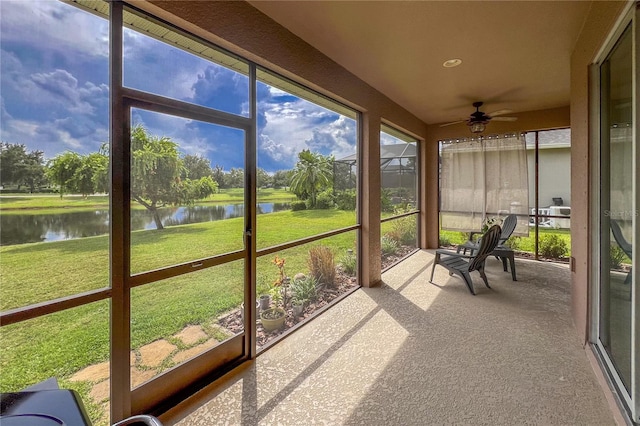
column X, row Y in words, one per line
column 452, row 63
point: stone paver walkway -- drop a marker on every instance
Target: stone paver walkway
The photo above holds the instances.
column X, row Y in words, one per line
column 147, row 362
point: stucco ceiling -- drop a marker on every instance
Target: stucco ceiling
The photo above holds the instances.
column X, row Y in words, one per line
column 515, row 54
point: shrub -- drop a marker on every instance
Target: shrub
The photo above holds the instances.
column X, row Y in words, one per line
column 404, row 230
column 324, row 200
column 616, row 256
column 388, row 245
column 385, row 201
column 402, row 193
column 298, row 205
column 349, row 263
column 513, row 243
column 346, row 200
column 304, row 288
column 322, row 266
column 444, row 241
column 552, row 245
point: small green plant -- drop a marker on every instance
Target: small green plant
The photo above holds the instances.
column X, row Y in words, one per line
column 298, row 205
column 385, row 200
column 552, row 245
column 304, row 289
column 276, row 296
column 616, row 256
column 489, row 222
column 444, row 241
column 279, row 287
column 322, row 265
column 404, row 230
column 513, row 243
column 348, row 261
column 388, row 245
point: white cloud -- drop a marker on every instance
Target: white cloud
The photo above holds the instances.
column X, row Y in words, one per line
column 51, row 137
column 53, row 70
column 296, row 125
column 50, row 24
column 60, row 85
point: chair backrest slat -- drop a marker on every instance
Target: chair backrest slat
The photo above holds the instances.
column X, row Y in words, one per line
column 622, row 242
column 508, row 226
column 488, row 243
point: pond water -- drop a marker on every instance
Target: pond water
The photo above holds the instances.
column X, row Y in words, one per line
column 33, row 228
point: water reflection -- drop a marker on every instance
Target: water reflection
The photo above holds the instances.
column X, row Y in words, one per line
column 33, row 228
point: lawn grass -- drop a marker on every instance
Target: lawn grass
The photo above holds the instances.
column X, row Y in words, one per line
column 20, row 203
column 61, row 344
column 526, row 244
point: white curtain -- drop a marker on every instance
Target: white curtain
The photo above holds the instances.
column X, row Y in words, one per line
column 483, row 178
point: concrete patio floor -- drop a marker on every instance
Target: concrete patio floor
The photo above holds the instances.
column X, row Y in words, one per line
column 415, row 353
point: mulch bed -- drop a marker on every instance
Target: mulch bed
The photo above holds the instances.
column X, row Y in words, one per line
column 344, row 283
column 234, row 322
column 390, row 259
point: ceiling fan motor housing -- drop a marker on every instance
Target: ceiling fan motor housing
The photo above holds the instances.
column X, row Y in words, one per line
column 478, row 116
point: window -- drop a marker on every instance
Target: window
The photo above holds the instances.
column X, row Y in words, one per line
column 399, row 203
column 54, row 241
column 306, row 188
column 165, row 240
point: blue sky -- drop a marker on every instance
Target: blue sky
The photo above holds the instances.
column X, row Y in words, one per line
column 54, row 92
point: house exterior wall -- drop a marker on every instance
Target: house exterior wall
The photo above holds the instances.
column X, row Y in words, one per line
column 554, row 176
column 599, row 23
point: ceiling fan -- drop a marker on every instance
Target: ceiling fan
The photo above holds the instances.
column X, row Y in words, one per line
column 478, row 120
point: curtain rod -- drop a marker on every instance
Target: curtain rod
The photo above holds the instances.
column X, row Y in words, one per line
column 481, row 138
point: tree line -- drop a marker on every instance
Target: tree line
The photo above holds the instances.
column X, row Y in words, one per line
column 73, row 173
column 160, row 174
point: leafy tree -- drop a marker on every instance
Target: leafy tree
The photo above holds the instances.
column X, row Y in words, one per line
column 32, row 173
column 235, row 178
column 263, row 178
column 93, row 175
column 62, row 169
column 196, row 167
column 85, row 175
column 11, row 156
column 20, row 167
column 281, row 178
column 198, row 189
column 156, row 171
column 313, row 174
column 218, row 175
column 100, row 166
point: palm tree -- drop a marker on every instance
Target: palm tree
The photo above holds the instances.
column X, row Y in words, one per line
column 313, row 173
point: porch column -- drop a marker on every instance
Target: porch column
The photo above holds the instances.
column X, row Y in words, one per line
column 371, row 262
column 429, row 203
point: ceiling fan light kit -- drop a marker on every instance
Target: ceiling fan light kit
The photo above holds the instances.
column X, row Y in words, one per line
column 477, row 127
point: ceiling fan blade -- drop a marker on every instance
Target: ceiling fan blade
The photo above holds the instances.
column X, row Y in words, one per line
column 453, row 122
column 499, row 112
column 504, row 118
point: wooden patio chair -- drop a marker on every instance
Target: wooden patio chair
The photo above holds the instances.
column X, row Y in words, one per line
column 623, row 243
column 501, row 252
column 508, row 226
column 463, row 265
